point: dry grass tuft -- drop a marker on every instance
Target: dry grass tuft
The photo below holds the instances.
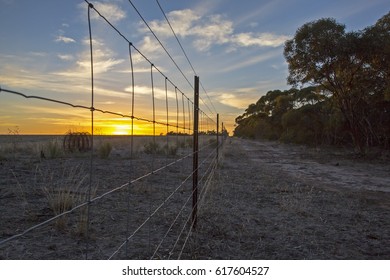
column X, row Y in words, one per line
column 64, row 191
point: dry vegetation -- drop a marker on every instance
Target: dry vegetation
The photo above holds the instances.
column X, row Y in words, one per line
column 38, row 180
column 267, row 201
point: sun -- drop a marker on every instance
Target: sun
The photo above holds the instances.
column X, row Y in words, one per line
column 122, row 130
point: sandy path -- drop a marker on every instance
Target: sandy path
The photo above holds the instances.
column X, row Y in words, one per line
column 335, row 172
column 274, row 201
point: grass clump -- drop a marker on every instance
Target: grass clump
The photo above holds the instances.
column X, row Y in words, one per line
column 152, row 148
column 170, row 150
column 52, row 149
column 64, row 191
column 105, row 150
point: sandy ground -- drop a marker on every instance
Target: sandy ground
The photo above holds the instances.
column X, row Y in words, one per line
column 266, row 201
column 276, row 201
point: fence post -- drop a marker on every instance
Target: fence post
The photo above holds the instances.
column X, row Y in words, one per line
column 222, row 134
column 195, row 155
column 217, row 138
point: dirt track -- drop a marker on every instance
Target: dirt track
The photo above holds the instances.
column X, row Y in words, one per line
column 274, row 201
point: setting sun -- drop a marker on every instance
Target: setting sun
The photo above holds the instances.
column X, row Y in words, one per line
column 122, row 130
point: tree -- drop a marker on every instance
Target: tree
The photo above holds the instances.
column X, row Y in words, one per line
column 377, row 57
column 322, row 53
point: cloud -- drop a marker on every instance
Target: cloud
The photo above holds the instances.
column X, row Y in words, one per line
column 111, row 12
column 252, row 60
column 159, row 93
column 64, row 39
column 211, row 30
column 65, row 57
column 181, row 20
column 104, row 60
column 235, row 100
column 149, row 47
column 261, row 39
column 215, row 31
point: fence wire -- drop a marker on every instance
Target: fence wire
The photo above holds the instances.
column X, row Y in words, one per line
column 109, row 217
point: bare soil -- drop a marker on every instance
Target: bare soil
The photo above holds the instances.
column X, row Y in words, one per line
column 277, row 201
column 266, row 201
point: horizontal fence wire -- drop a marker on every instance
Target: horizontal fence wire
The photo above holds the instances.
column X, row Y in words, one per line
column 144, row 174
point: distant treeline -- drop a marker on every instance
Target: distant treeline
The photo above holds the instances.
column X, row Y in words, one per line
column 340, row 94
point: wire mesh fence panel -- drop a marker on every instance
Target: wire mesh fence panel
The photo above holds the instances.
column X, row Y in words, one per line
column 88, row 195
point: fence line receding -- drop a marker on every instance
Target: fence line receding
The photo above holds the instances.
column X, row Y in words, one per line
column 121, row 197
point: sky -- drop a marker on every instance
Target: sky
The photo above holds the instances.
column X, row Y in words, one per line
column 235, row 47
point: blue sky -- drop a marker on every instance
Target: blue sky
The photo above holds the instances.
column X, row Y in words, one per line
column 236, row 47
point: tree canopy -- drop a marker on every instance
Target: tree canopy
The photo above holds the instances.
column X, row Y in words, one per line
column 341, row 89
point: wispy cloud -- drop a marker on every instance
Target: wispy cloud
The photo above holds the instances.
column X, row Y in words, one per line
column 105, row 59
column 159, row 93
column 261, row 39
column 211, row 30
column 252, row 60
column 63, row 39
column 238, row 99
column 65, row 57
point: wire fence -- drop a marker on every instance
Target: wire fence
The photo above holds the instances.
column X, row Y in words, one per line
column 126, row 197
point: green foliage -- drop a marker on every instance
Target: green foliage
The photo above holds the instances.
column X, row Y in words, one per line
column 353, row 67
column 349, row 98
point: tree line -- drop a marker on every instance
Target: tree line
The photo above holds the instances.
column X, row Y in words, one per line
column 340, row 89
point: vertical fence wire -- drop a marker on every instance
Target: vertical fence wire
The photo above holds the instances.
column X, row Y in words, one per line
column 131, row 148
column 90, row 6
column 189, row 111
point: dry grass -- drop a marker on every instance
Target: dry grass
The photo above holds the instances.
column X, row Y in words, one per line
column 63, row 191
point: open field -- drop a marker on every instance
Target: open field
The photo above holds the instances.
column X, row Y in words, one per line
column 266, row 201
column 34, row 188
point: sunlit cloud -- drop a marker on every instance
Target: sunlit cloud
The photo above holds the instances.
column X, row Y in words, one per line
column 181, row 20
column 261, row 40
column 104, row 60
column 240, row 98
column 149, row 47
column 112, row 12
column 211, row 30
column 159, row 93
column 239, row 101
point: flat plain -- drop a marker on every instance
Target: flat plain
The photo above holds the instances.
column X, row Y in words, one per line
column 266, row 200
